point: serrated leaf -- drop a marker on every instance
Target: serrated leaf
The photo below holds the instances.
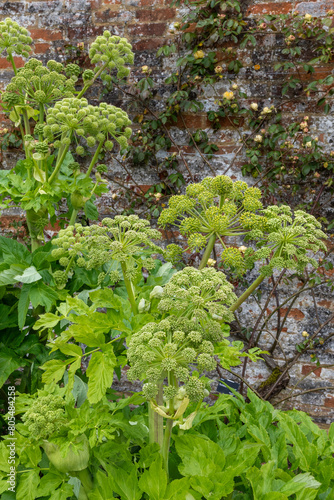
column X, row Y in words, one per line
column 54, row 370
column 9, row 362
column 42, row 295
column 91, row 210
column 154, row 481
column 28, row 484
column 101, row 373
column 47, row 320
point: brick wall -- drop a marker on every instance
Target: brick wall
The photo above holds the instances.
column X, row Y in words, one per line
column 146, row 24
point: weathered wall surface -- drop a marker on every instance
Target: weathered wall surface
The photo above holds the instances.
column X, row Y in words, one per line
column 146, row 23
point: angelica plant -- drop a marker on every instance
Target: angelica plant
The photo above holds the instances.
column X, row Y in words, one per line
column 123, row 239
column 66, row 126
column 197, row 304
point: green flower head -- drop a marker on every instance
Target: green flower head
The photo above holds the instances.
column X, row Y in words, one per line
column 112, row 52
column 14, row 39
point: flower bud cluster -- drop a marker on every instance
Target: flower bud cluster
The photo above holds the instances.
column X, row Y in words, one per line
column 94, row 123
column 216, row 206
column 170, row 349
column 286, row 239
column 38, row 84
column 200, row 295
column 45, row 416
column 112, row 52
column 123, row 239
column 14, row 39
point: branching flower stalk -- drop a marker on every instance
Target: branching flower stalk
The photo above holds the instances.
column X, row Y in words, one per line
column 183, row 346
column 48, row 93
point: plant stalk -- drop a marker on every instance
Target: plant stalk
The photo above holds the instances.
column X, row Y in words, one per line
column 86, row 483
column 247, row 293
column 156, row 421
column 208, row 250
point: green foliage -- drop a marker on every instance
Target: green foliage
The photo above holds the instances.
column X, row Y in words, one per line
column 234, row 450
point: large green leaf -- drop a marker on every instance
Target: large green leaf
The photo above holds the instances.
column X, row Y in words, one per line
column 303, row 450
column 10, row 248
column 200, row 457
column 42, row 295
column 100, row 372
column 154, row 481
column 9, row 362
column 91, row 210
column 54, row 370
column 28, row 484
column 299, row 483
column 126, row 484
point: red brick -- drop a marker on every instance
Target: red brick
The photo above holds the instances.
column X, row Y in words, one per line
column 41, row 48
column 155, row 14
column 151, row 44
column 43, row 34
column 306, row 369
column 329, row 402
column 4, row 64
column 157, row 29
column 192, row 121
column 106, row 15
column 295, row 314
column 84, row 32
column 149, row 3
column 97, row 4
column 270, row 8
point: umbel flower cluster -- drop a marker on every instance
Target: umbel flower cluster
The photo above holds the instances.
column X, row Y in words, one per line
column 111, row 52
column 14, row 39
column 196, row 302
column 45, row 416
column 201, row 295
column 169, row 349
column 216, row 207
column 285, row 239
column 122, row 239
column 37, row 85
column 73, row 118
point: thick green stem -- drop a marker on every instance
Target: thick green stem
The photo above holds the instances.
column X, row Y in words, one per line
column 208, row 250
column 73, row 217
column 58, row 164
column 86, row 87
column 95, row 158
column 156, row 421
column 166, row 444
column 247, row 293
column 129, row 289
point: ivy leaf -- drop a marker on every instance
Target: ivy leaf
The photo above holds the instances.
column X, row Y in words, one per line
column 101, row 373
